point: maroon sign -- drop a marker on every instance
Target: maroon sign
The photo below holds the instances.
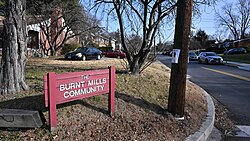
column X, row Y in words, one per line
column 63, row 88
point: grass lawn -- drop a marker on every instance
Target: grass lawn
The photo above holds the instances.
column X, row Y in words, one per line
column 243, row 58
column 140, row 105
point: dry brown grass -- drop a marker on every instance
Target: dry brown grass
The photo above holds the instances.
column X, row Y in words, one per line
column 141, row 106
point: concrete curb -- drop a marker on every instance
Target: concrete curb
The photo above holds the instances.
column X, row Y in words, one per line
column 207, row 126
column 232, row 65
column 238, row 65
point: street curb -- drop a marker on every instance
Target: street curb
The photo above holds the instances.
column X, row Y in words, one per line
column 239, row 66
column 207, row 126
column 231, row 64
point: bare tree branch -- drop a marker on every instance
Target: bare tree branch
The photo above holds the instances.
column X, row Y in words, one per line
column 235, row 19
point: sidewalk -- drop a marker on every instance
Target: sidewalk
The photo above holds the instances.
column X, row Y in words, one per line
column 242, row 66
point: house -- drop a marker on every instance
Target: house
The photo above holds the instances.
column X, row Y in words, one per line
column 38, row 42
column 104, row 41
column 242, row 42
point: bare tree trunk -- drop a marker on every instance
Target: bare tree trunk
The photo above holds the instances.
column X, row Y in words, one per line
column 12, row 77
column 134, row 66
column 138, row 62
column 53, row 50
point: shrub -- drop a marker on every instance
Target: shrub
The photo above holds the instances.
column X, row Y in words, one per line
column 68, row 47
column 105, row 49
column 92, row 44
column 247, row 48
column 216, row 50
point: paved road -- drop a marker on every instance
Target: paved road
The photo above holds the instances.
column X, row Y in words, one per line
column 229, row 85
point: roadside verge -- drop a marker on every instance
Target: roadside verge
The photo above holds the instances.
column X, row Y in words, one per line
column 207, row 126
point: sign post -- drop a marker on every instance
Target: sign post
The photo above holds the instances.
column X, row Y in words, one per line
column 111, row 91
column 52, row 100
column 67, row 87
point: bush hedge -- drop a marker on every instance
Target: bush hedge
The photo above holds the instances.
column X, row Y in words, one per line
column 216, row 50
column 247, row 48
column 105, row 49
column 69, row 47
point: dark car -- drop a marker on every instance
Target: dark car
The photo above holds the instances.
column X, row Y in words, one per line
column 235, row 51
column 84, row 53
column 114, row 54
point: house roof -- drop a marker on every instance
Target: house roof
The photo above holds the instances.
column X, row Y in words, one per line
column 242, row 40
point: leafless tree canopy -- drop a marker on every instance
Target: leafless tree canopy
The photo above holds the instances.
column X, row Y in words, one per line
column 142, row 19
column 235, row 18
column 133, row 42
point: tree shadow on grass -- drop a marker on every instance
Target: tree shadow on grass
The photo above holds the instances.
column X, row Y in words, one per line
column 141, row 103
column 37, row 103
column 26, row 103
column 55, row 67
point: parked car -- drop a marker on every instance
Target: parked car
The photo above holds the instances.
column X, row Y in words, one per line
column 167, row 53
column 210, row 58
column 84, row 53
column 114, row 54
column 235, row 51
column 192, row 55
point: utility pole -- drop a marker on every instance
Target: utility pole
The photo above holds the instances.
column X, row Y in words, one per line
column 177, row 90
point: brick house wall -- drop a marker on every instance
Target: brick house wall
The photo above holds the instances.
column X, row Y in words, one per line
column 242, row 42
column 42, row 41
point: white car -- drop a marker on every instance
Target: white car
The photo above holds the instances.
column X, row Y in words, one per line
column 192, row 56
column 210, row 58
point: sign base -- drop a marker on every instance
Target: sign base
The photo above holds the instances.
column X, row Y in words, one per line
column 17, row 118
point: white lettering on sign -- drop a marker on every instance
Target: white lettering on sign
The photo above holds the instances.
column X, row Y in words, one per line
column 78, row 88
column 97, row 82
column 70, row 86
column 73, row 93
column 85, row 77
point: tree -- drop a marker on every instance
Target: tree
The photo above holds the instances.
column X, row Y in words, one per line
column 141, row 18
column 133, row 43
column 194, row 44
column 50, row 16
column 12, row 78
column 235, row 18
column 91, row 26
column 176, row 99
column 201, row 37
column 163, row 47
column 2, row 4
column 116, row 36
